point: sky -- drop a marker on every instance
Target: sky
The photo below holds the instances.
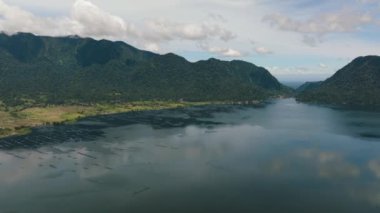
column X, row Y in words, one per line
column 296, row 40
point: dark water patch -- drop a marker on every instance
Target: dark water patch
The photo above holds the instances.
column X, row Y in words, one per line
column 162, row 146
column 87, row 155
column 51, row 135
column 218, row 167
column 370, row 135
column 54, row 175
column 133, row 149
column 140, row 191
column 109, row 168
column 56, row 150
column 53, row 166
column 84, row 130
column 111, row 181
column 15, row 155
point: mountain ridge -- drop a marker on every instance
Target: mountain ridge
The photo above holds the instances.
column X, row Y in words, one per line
column 71, row 69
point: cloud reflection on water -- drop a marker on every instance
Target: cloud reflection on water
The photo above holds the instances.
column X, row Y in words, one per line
column 251, row 157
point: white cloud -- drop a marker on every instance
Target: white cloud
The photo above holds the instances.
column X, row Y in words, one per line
column 88, row 20
column 313, row 29
column 153, row 47
column 221, row 51
column 322, row 65
column 14, row 19
column 167, row 30
column 227, row 52
column 343, row 21
column 231, row 53
column 263, row 51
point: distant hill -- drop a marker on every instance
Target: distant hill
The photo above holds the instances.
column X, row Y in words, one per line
column 57, row 70
column 292, row 84
column 308, row 86
column 357, row 84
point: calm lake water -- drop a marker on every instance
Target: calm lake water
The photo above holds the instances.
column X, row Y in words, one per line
column 284, row 157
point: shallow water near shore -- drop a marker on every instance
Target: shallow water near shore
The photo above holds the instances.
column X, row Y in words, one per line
column 283, row 157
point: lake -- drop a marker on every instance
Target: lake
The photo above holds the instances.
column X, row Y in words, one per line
column 281, row 157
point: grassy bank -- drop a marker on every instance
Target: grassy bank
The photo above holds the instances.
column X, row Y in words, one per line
column 16, row 121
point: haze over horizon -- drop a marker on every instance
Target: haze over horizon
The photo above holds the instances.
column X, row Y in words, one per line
column 299, row 40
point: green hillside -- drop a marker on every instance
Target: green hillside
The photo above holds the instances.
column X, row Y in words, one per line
column 357, row 84
column 71, row 70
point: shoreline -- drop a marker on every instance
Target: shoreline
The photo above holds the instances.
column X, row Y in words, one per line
column 21, row 122
column 16, row 122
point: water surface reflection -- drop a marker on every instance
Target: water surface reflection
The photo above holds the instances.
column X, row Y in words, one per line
column 285, row 157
